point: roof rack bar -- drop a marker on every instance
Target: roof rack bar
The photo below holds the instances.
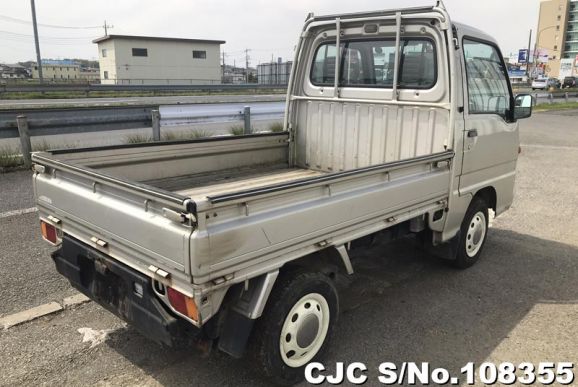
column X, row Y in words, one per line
column 394, row 94
column 337, row 57
column 357, row 15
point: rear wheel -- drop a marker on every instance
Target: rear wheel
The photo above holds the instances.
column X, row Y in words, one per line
column 473, row 233
column 297, row 323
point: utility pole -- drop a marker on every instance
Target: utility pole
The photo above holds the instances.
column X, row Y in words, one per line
column 36, row 42
column 223, row 70
column 528, row 56
column 247, row 65
column 106, row 27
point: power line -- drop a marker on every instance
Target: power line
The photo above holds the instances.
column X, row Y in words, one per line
column 16, row 34
column 21, row 21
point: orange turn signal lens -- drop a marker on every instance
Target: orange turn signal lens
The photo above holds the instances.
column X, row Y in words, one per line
column 183, row 304
column 49, row 232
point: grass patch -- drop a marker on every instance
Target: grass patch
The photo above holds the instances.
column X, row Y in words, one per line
column 10, row 157
column 237, row 130
column 42, row 146
column 170, row 136
column 137, row 139
column 276, row 127
column 555, row 106
column 184, row 136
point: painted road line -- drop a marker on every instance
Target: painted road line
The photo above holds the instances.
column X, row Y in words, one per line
column 30, row 314
column 42, row 310
column 10, row 214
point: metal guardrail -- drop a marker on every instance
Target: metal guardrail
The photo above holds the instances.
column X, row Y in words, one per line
column 35, row 122
column 88, row 88
column 550, row 97
column 45, row 122
column 175, row 115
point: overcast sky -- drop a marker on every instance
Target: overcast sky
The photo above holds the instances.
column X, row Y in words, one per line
column 266, row 27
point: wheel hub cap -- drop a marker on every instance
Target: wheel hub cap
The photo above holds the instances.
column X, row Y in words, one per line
column 476, row 234
column 304, row 330
column 308, row 331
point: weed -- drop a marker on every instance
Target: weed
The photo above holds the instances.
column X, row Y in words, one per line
column 10, row 157
column 276, row 127
column 184, row 136
column 137, row 139
column 237, row 130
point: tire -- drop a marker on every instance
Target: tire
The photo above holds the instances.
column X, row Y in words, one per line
column 473, row 234
column 299, row 318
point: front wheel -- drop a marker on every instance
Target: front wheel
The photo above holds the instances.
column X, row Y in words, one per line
column 473, row 233
column 296, row 325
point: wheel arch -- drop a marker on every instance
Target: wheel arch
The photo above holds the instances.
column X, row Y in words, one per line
column 489, row 195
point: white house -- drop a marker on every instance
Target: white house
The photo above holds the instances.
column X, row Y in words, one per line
column 146, row 60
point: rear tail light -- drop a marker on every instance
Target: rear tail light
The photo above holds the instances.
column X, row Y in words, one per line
column 183, row 304
column 49, row 232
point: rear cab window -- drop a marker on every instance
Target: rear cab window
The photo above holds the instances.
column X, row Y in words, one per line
column 370, row 64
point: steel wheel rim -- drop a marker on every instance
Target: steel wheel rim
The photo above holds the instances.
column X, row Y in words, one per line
column 304, row 330
column 476, row 234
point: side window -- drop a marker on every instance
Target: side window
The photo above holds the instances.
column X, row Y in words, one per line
column 323, row 71
column 371, row 63
column 488, row 91
column 140, row 52
column 198, row 54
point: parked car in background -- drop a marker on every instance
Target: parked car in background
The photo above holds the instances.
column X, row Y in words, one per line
column 569, row 82
column 555, row 83
column 540, row 84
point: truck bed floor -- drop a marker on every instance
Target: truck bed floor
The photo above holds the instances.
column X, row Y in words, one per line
column 200, row 185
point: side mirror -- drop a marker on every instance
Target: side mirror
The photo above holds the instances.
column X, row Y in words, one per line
column 523, row 106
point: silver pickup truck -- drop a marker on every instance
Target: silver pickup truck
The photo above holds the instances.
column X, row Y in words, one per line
column 397, row 122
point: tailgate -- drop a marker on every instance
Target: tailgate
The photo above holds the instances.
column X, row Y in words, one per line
column 121, row 223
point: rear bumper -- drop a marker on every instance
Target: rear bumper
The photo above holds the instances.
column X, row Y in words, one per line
column 121, row 290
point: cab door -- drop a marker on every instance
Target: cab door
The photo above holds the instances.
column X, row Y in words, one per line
column 490, row 136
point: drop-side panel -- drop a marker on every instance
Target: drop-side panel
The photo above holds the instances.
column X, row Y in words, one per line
column 253, row 230
column 339, row 136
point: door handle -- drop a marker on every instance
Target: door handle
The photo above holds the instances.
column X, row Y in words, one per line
column 472, row 133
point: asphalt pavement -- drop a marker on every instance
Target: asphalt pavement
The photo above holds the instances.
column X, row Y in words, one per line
column 519, row 303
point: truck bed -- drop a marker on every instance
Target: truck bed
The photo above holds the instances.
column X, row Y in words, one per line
column 203, row 209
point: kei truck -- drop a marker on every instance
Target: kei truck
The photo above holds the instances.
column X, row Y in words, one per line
column 396, row 122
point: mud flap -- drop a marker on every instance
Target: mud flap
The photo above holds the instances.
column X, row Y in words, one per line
column 447, row 250
column 235, row 334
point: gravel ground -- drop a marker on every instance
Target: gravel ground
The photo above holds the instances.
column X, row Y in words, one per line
column 16, row 191
column 519, row 303
column 29, row 277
